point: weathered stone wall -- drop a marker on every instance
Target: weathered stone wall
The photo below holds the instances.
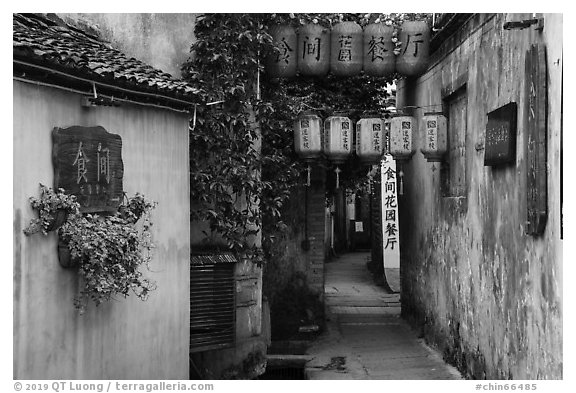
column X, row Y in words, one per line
column 488, row 295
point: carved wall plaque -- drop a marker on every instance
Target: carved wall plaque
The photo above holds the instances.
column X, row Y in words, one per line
column 500, row 142
column 88, row 163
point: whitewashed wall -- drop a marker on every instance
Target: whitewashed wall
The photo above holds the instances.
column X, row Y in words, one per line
column 127, row 338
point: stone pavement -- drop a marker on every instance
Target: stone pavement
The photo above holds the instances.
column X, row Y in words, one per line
column 365, row 337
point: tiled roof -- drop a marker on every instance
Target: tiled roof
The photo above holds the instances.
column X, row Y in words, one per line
column 65, row 48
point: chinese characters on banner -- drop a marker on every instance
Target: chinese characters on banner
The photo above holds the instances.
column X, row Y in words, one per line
column 390, row 233
column 88, row 163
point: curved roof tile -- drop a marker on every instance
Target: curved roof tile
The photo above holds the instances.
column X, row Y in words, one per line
column 39, row 39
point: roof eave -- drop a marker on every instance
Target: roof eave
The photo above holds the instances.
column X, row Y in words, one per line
column 44, row 70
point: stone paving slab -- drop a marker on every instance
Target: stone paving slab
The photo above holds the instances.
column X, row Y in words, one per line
column 364, row 310
column 365, row 331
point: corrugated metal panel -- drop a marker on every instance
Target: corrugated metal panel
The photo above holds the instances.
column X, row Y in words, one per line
column 212, row 315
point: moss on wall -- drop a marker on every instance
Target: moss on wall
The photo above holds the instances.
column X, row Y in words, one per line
column 481, row 290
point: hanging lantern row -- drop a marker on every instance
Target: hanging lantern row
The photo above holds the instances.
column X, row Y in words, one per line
column 346, row 50
column 334, row 140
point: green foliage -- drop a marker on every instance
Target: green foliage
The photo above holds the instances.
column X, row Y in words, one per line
column 108, row 250
column 48, row 205
column 224, row 160
column 363, row 19
column 236, row 187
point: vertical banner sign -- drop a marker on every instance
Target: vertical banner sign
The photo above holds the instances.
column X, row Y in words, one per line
column 88, row 164
column 390, row 233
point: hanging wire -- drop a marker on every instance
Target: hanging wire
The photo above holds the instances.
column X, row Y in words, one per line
column 419, row 107
column 350, row 110
column 194, row 119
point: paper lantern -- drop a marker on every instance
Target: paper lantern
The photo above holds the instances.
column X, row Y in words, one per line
column 313, row 50
column 337, row 141
column 337, row 138
column 435, row 137
column 283, row 64
column 401, row 130
column 378, row 50
column 413, row 57
column 308, row 136
column 346, row 49
column 370, row 139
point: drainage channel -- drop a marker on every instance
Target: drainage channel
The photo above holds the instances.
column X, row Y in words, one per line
column 286, row 360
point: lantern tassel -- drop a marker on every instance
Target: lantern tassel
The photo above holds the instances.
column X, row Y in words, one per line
column 308, row 170
column 337, row 170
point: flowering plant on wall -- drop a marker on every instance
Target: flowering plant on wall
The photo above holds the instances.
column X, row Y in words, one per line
column 53, row 207
column 108, row 250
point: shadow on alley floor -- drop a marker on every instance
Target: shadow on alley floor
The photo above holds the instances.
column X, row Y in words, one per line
column 365, row 337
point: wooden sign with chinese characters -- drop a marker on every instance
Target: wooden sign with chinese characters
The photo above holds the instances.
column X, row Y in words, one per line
column 391, row 236
column 536, row 134
column 88, row 163
column 500, row 142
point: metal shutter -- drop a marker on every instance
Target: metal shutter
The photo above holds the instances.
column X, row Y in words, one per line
column 212, row 316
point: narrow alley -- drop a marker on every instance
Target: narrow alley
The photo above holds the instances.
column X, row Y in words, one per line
column 232, row 196
column 365, row 337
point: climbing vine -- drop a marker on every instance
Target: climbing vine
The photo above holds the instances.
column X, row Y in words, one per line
column 242, row 174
